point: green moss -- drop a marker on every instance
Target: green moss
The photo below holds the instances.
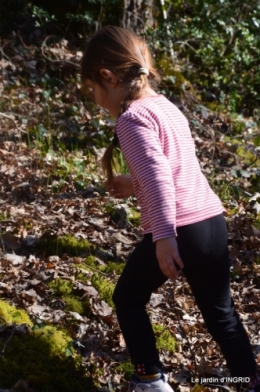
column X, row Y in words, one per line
column 81, row 266
column 65, row 244
column 247, row 156
column 164, row 339
column 91, row 261
column 133, row 216
column 42, row 360
column 80, row 275
column 75, row 304
column 104, row 287
column 56, row 340
column 61, row 286
column 45, row 358
column 4, row 215
column 110, row 266
column 211, row 105
column 12, row 315
column 64, row 289
column 125, row 368
column 114, row 267
column 238, row 127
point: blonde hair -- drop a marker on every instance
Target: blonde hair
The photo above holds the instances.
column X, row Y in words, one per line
column 124, row 53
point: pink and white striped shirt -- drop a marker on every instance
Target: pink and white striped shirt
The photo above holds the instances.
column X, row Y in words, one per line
column 170, row 188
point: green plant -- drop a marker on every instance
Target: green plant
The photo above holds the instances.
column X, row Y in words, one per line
column 64, row 244
column 75, row 304
column 105, row 288
column 164, row 339
column 92, row 265
column 44, row 357
column 10, row 314
column 41, row 16
column 126, row 368
column 61, row 287
column 133, row 216
column 120, row 163
column 215, row 46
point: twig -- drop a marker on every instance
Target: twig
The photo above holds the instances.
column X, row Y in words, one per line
column 55, row 61
column 186, row 43
column 94, row 269
column 26, row 46
column 3, row 53
column 8, row 340
column 100, row 14
column 9, row 118
column 12, row 113
column 136, row 16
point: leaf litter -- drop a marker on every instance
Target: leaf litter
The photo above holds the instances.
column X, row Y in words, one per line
column 40, row 201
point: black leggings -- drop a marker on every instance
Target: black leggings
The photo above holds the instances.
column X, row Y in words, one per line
column 204, row 252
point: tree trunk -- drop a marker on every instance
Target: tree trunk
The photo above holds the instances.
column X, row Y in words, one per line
column 138, row 15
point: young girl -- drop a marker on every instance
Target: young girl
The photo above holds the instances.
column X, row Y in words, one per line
column 182, row 218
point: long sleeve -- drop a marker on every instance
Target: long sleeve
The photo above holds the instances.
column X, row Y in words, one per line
column 150, row 168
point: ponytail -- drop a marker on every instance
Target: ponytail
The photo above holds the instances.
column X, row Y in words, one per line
column 126, row 55
column 107, row 160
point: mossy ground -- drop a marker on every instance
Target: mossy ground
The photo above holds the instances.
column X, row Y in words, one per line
column 103, row 284
column 68, row 244
column 164, row 339
column 63, row 289
column 126, row 368
column 105, row 288
column 9, row 314
column 109, row 266
column 44, row 357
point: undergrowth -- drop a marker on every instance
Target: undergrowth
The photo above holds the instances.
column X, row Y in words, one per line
column 68, row 244
column 43, row 356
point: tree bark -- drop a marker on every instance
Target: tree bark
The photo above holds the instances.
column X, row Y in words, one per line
column 138, row 15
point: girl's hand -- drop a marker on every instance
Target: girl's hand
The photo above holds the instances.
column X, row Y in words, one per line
column 168, row 257
column 121, row 187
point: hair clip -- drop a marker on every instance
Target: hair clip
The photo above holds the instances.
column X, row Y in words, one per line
column 143, row 70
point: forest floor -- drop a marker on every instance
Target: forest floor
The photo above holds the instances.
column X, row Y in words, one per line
column 64, row 240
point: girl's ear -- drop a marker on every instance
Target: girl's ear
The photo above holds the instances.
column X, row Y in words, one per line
column 109, row 76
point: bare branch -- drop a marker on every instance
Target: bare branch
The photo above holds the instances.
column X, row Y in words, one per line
column 55, row 61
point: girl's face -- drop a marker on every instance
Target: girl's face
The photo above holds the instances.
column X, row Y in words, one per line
column 108, row 97
column 99, row 94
